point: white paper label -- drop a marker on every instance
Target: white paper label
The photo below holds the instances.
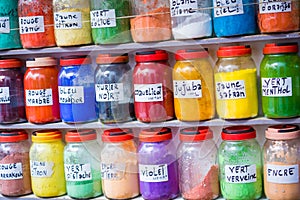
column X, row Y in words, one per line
column 283, row 174
column 4, row 95
column 31, row 24
column 183, row 8
column 11, row 171
column 71, row 95
column 112, row 171
column 240, row 173
column 4, row 25
column 231, row 90
column 276, row 87
column 187, row 89
column 41, row 169
column 153, row 173
column 224, row 8
column 103, row 18
column 275, row 6
column 148, row 92
column 67, row 20
column 78, row 172
column 42, row 97
column 109, row 92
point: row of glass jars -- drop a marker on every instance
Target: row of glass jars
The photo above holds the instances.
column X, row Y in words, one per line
column 154, row 169
column 46, row 23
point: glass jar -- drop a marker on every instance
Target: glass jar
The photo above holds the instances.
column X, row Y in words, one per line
column 152, row 21
column 235, row 83
column 47, row 163
column 193, row 86
column 82, row 164
column 14, row 163
column 41, row 90
column 191, row 19
column 280, row 78
column 114, row 89
column 240, row 164
column 9, row 29
column 281, row 154
column 157, row 164
column 110, row 21
column 152, row 79
column 197, row 164
column 12, row 108
column 72, row 24
column 76, row 87
column 36, row 23
column 119, row 164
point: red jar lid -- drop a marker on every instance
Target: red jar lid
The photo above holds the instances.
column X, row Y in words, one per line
column 274, row 48
column 117, row 135
column 155, row 135
column 75, row 60
column 283, row 132
column 230, row 51
column 81, row 135
column 188, row 54
column 147, row 56
column 195, row 134
column 238, row 133
column 10, row 63
column 13, row 135
column 111, row 58
column 41, row 62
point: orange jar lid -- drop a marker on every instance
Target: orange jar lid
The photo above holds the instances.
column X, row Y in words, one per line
column 188, row 54
column 75, row 60
column 81, row 135
column 234, row 51
column 283, row 132
column 46, row 135
column 117, row 135
column 155, row 135
column 275, row 48
column 13, row 135
column 237, row 133
column 10, row 63
column 41, row 62
column 112, row 58
column 195, row 134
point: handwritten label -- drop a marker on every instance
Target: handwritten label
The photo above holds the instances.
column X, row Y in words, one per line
column 240, row 173
column 276, row 87
column 183, row 7
column 4, row 95
column 154, row 173
column 71, row 95
column 112, row 171
column 103, row 18
column 230, row 90
column 67, row 20
column 275, row 6
column 109, row 92
column 4, row 25
column 148, row 92
column 224, row 8
column 283, row 174
column 41, row 169
column 78, row 172
column 187, row 89
column 31, row 24
column 11, row 171
column 42, row 97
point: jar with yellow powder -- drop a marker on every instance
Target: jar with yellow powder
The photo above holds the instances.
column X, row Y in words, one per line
column 235, row 83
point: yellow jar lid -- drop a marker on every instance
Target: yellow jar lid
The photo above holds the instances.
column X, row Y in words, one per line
column 46, row 135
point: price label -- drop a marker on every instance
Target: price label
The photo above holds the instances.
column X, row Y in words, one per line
column 78, row 172
column 11, row 171
column 148, row 92
column 41, row 169
column 224, row 8
column 109, row 92
column 4, row 25
column 240, row 173
column 183, row 8
column 274, row 6
column 33, row 24
column 154, row 173
column 187, row 89
column 4, row 95
column 231, row 90
column 283, row 174
column 42, row 97
column 103, row 18
column 112, row 171
column 67, row 20
column 71, row 95
column 277, row 87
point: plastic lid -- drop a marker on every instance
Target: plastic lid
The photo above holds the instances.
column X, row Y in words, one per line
column 230, row 51
column 117, row 135
column 10, row 63
column 41, row 62
column 283, row 132
column 75, row 60
column 274, row 48
column 238, row 133
column 155, row 135
column 155, row 55
column 195, row 134
column 81, row 135
column 187, row 54
column 13, row 135
column 112, row 58
column 46, row 135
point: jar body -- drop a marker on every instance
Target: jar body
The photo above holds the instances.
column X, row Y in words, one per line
column 36, row 23
column 111, row 31
column 283, row 71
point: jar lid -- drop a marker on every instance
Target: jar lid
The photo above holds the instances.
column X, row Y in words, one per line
column 117, row 135
column 13, row 135
column 230, row 51
column 186, row 54
column 196, row 134
column 75, row 60
column 274, row 48
column 155, row 135
column 155, row 55
column 112, row 58
column 46, row 135
column 238, row 133
column 81, row 135
column 10, row 63
column 283, row 132
column 41, row 62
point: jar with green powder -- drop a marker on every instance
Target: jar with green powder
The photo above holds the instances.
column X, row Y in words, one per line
column 82, row 164
column 240, row 164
